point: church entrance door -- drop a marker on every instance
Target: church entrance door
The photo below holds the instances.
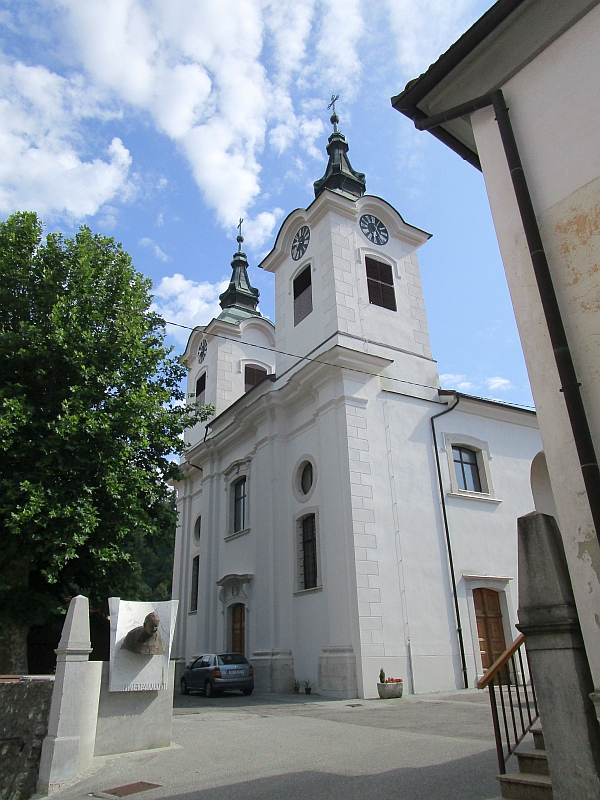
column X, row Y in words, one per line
column 238, row 628
column 489, row 625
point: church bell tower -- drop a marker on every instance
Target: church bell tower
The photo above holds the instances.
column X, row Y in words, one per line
column 347, row 274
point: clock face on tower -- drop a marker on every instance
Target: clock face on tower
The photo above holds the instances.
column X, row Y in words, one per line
column 374, row 229
column 202, row 351
column 300, row 243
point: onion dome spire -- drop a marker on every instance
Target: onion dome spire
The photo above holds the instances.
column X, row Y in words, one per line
column 339, row 174
column 240, row 299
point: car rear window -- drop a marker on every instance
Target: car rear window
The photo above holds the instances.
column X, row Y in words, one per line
column 231, row 658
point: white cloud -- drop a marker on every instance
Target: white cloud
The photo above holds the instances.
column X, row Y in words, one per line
column 41, row 169
column 187, row 302
column 258, row 230
column 452, row 381
column 199, row 69
column 423, row 29
column 221, row 79
column 160, row 254
column 498, row 384
column 338, row 62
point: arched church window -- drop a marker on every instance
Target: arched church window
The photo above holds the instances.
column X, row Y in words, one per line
column 380, row 283
column 253, row 375
column 308, row 578
column 239, row 505
column 302, row 295
column 201, row 390
column 197, row 527
column 194, row 587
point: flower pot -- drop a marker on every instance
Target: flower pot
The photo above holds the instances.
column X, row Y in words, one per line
column 308, row 689
column 296, row 689
column 389, row 690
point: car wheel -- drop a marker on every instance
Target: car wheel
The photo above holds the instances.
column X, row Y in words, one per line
column 184, row 687
column 208, row 689
column 247, row 691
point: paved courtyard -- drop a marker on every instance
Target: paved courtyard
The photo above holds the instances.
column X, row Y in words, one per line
column 294, row 747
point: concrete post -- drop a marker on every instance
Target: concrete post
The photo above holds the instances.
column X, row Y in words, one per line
column 60, row 751
column 558, row 661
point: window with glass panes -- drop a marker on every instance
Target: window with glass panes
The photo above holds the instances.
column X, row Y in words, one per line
column 466, row 468
column 380, row 283
column 239, row 505
column 308, row 553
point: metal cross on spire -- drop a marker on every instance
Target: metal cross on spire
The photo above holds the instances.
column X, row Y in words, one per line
column 240, row 238
column 334, row 119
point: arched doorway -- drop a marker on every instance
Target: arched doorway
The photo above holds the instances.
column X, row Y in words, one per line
column 490, row 628
column 237, row 628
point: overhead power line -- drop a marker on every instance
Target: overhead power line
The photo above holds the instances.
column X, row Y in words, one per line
column 330, row 364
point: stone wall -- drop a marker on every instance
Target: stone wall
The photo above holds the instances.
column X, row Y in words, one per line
column 24, row 711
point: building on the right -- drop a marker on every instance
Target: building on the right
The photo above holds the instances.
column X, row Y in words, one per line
column 518, row 97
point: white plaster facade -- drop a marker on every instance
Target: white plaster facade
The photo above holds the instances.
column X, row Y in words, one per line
column 358, row 408
column 545, row 56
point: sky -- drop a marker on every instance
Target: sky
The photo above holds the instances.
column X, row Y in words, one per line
column 162, row 122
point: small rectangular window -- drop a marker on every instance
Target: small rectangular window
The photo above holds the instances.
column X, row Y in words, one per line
column 239, row 505
column 467, row 469
column 253, row 375
column 380, row 283
column 201, row 389
column 308, row 553
column 302, row 295
column 194, row 589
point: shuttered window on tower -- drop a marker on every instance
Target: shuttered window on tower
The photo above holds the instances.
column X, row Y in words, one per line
column 253, row 375
column 380, row 282
column 201, row 390
column 302, row 295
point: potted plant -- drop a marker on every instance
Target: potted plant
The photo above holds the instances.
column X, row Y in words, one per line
column 296, row 685
column 389, row 688
column 307, row 687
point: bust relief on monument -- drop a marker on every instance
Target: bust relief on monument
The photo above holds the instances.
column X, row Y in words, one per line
column 145, row 640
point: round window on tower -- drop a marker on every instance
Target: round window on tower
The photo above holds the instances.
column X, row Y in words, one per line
column 305, row 476
column 306, row 479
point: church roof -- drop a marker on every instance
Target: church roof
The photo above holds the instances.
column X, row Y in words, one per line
column 339, row 175
column 240, row 299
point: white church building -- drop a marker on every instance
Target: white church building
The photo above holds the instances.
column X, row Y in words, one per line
column 340, row 513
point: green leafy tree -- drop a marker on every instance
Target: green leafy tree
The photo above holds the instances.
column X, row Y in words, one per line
column 91, row 413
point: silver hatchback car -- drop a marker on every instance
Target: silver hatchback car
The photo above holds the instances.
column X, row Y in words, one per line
column 214, row 673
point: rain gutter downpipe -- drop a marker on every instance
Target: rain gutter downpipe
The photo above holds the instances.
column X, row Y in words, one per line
column 461, row 644
column 570, row 386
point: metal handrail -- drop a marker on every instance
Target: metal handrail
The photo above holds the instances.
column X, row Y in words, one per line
column 512, row 685
column 500, row 662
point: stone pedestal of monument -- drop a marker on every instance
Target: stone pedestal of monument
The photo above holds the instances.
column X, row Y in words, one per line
column 130, row 721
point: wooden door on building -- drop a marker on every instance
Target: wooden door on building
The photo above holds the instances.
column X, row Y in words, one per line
column 489, row 625
column 238, row 628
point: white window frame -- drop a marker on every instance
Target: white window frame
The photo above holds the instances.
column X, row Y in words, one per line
column 482, row 453
column 297, row 520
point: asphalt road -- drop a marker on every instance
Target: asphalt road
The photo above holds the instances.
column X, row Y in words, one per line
column 423, row 747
